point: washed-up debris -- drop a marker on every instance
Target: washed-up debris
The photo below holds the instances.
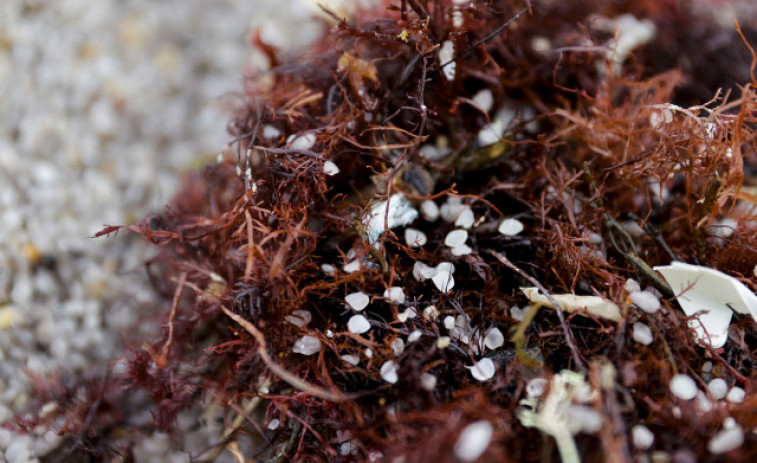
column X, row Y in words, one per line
column 711, row 297
column 591, row 305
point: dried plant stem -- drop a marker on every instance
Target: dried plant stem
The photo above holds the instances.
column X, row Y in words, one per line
column 161, row 359
column 280, row 371
column 558, row 310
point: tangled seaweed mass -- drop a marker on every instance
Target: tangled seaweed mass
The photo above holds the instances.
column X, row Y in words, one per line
column 346, row 281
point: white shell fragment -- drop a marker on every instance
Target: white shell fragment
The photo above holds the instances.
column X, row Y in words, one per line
column 510, row 227
column 456, row 238
column 593, row 305
column 415, row 238
column 726, row 440
column 474, row 440
column 389, row 372
column 358, row 324
column 358, row 301
column 483, row 370
column 646, row 301
column 642, row 437
column 711, row 295
column 329, row 168
column 399, row 213
column 683, row 387
column 307, row 345
column 395, row 294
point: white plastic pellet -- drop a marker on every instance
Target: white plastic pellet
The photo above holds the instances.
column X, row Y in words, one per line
column 642, row 334
column 736, row 395
column 483, row 370
column 329, row 168
column 510, row 227
column 429, row 211
column 395, row 294
column 484, row 99
column 494, row 339
column 462, row 250
column 455, row 238
column 351, row 359
column 414, row 336
column 646, row 301
column 307, row 345
column 428, row 381
column 466, row 218
column 642, row 437
column 415, row 237
column 718, row 388
column 683, row 387
column 474, row 440
column 444, row 281
column 398, row 345
column 536, row 387
column 299, row 318
column 358, row 324
column 726, row 440
column 302, row 142
column 358, row 301
column 389, row 372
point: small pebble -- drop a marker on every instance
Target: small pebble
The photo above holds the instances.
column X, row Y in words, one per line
column 414, row 336
column 642, row 334
column 328, row 269
column 430, row 312
column 683, row 387
column 358, row 324
column 474, row 440
column 632, row 286
column 443, row 342
column 510, row 227
column 646, row 301
column 642, row 437
column 449, row 322
column 718, row 388
column 351, row 359
column 405, row 315
column 352, row 267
